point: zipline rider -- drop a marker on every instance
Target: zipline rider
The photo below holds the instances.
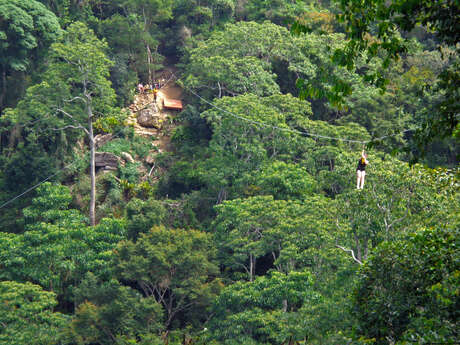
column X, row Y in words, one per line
column 361, row 170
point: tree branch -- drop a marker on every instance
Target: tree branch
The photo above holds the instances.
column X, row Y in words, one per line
column 352, row 253
column 68, row 126
column 75, row 98
column 74, row 120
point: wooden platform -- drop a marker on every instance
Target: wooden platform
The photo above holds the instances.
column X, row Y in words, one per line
column 173, row 104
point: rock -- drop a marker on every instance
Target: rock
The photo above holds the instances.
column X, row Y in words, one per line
column 150, row 159
column 149, row 118
column 127, row 157
column 110, row 168
column 107, row 160
column 144, row 133
column 101, row 140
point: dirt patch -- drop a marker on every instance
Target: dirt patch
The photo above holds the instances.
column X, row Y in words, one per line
column 171, row 92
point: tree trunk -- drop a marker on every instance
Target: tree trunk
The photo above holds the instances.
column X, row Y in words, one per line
column 285, row 305
column 252, row 266
column 149, row 62
column 92, row 168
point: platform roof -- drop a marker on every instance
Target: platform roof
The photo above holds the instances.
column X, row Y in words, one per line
column 174, row 104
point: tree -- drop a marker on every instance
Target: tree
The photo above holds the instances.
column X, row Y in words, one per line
column 74, row 92
column 408, row 291
column 109, row 313
column 58, row 248
column 144, row 16
column 276, row 11
column 27, row 29
column 290, row 235
column 374, row 28
column 285, row 181
column 379, row 214
column 81, row 68
column 251, row 52
column 263, row 311
column 241, row 148
column 173, row 266
column 142, row 215
column 219, row 76
column 27, row 317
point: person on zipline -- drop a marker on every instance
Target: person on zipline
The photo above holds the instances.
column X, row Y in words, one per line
column 361, row 170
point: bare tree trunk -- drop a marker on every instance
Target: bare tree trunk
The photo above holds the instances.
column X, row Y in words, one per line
column 285, row 305
column 252, row 266
column 92, row 168
column 149, row 63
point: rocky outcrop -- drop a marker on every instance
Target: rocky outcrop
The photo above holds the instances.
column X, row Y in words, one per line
column 149, row 118
column 127, row 157
column 101, row 140
column 107, row 160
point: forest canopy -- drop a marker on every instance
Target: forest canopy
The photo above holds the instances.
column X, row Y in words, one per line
column 224, row 172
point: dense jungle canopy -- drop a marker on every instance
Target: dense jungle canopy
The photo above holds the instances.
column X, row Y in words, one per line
column 185, row 172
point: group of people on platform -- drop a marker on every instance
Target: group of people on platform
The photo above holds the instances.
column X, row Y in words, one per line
column 149, row 88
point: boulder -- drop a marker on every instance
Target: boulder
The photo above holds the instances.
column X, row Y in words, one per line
column 107, row 160
column 127, row 157
column 101, row 140
column 148, row 117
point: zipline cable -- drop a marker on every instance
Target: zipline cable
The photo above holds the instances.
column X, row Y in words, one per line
column 49, row 177
column 67, row 166
column 262, row 124
column 35, row 186
column 258, row 123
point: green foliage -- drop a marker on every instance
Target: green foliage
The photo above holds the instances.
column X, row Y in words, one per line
column 58, row 247
column 241, row 148
column 262, row 311
column 293, row 234
column 53, row 116
column 280, row 210
column 242, row 57
column 276, row 11
column 384, row 21
column 80, row 67
column 143, row 215
column 285, row 181
column 110, row 313
column 131, row 143
column 27, row 29
column 50, row 205
column 408, row 291
column 27, row 317
column 174, row 267
column 183, row 177
column 130, row 172
column 231, row 76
